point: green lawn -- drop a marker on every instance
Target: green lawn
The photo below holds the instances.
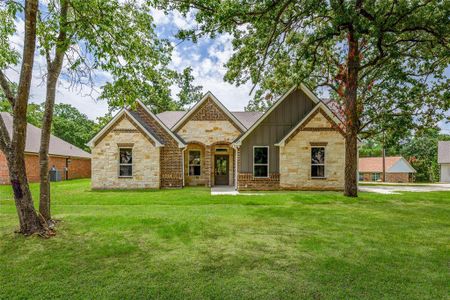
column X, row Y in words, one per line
column 174, row 244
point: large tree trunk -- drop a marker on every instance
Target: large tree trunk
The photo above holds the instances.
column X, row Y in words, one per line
column 352, row 124
column 44, row 195
column 54, row 70
column 28, row 219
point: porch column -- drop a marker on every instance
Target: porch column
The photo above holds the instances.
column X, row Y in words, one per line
column 208, row 166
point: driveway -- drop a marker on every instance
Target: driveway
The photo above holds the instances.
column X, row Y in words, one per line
column 392, row 188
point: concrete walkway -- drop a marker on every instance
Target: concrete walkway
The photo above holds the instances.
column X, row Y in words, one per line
column 392, row 188
column 223, row 190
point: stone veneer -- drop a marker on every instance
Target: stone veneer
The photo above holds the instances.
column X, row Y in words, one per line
column 105, row 159
column 295, row 156
column 209, row 132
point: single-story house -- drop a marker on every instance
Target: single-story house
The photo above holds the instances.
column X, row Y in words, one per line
column 444, row 160
column 397, row 169
column 298, row 143
column 70, row 161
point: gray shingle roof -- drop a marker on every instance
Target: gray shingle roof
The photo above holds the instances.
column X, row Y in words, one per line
column 247, row 118
column 33, row 142
column 444, row 152
column 146, row 126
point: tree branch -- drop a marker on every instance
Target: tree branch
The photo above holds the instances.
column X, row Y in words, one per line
column 6, row 87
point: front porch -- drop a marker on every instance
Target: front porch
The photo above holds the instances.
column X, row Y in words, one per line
column 209, row 165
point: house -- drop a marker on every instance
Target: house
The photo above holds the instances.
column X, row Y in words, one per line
column 71, row 162
column 397, row 169
column 298, row 143
column 444, row 160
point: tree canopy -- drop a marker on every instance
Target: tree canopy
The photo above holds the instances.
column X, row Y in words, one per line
column 383, row 62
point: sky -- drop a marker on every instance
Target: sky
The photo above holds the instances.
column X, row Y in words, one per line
column 206, row 58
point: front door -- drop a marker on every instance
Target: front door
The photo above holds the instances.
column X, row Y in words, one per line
column 221, row 170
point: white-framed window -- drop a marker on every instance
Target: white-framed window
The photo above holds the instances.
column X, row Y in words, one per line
column 261, row 161
column 360, row 176
column 376, row 176
column 318, row 162
column 125, row 162
column 194, row 162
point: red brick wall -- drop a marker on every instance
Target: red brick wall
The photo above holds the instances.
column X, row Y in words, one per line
column 4, row 173
column 397, row 177
column 78, row 168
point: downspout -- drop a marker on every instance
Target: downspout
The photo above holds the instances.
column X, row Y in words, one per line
column 235, row 166
column 182, row 164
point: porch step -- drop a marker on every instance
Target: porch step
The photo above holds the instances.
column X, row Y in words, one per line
column 223, row 190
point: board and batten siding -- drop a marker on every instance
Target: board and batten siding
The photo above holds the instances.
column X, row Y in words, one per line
column 273, row 128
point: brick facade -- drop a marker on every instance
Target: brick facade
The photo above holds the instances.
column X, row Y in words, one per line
column 170, row 156
column 390, row 177
column 76, row 167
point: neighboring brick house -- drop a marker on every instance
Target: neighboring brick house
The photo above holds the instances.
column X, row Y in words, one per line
column 444, row 160
column 296, row 144
column 397, row 169
column 69, row 160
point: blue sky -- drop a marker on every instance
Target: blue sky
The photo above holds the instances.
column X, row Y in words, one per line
column 207, row 58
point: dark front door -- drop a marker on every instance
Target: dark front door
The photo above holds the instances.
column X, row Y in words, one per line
column 221, row 170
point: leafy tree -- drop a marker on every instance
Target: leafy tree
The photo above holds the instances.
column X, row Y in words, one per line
column 14, row 147
column 378, row 59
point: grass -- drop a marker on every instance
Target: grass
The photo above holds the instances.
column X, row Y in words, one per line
column 175, row 244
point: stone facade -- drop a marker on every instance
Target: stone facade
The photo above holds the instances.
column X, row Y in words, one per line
column 295, row 156
column 69, row 167
column 207, row 129
column 209, row 132
column 105, row 159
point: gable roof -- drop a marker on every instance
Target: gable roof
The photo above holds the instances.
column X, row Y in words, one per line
column 444, row 152
column 393, row 164
column 247, row 118
column 139, row 122
column 303, row 88
column 207, row 96
column 33, row 141
column 321, row 107
column 181, row 143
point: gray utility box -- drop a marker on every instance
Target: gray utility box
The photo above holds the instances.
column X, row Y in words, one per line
column 55, row 175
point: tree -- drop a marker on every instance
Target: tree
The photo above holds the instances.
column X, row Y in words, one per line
column 13, row 147
column 72, row 126
column 114, row 36
column 378, row 59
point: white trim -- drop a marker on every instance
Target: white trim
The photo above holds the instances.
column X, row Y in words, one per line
column 122, row 112
column 205, row 97
column 275, row 105
column 268, row 162
column 320, row 105
column 180, row 143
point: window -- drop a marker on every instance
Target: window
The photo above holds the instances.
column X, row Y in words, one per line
column 194, row 163
column 125, row 162
column 318, row 162
column 376, row 176
column 261, row 161
column 361, row 176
